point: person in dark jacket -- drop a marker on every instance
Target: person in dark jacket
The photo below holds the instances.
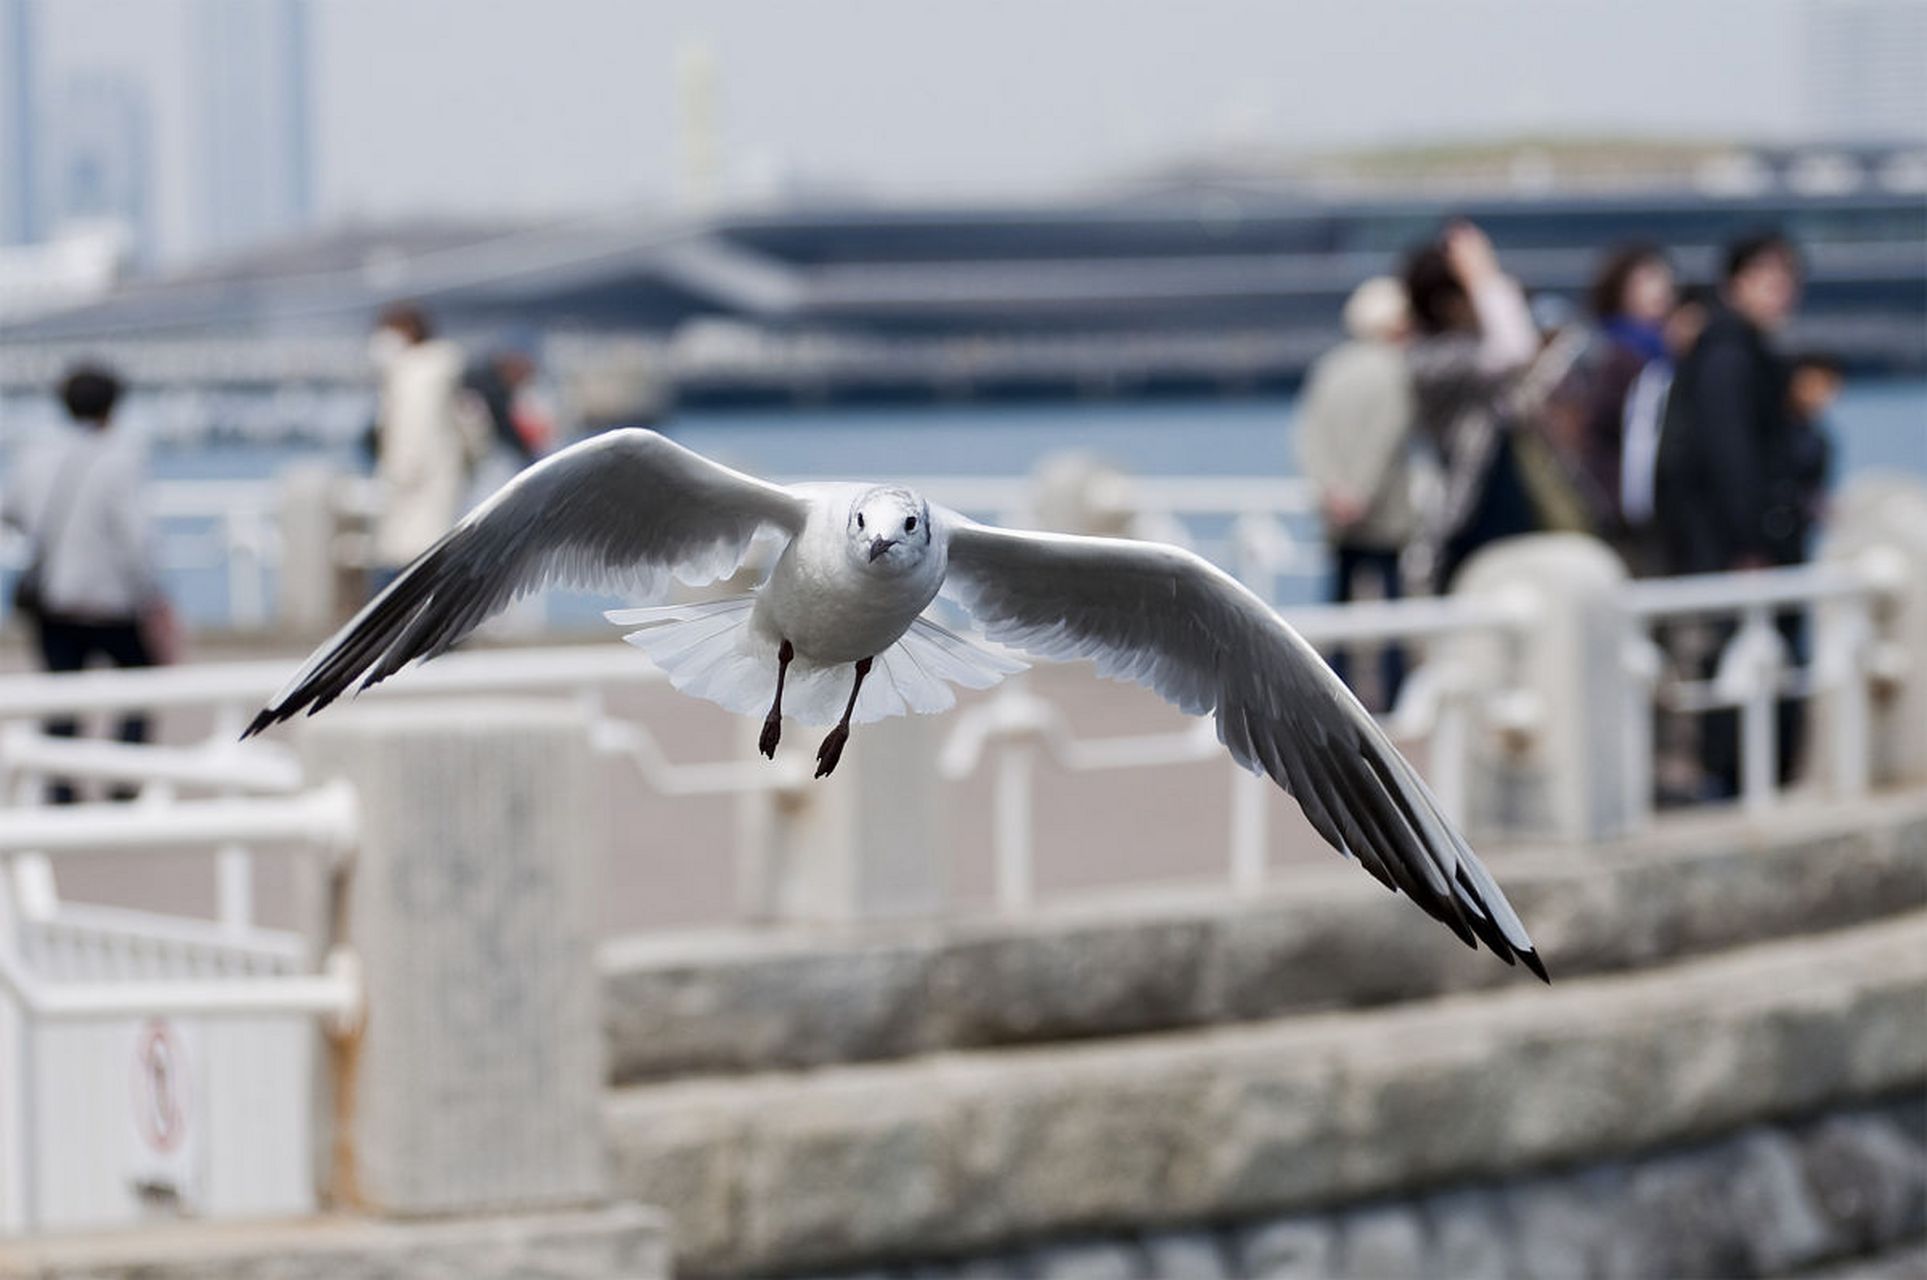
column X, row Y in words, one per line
column 1731, row 489
column 494, row 382
column 1727, row 493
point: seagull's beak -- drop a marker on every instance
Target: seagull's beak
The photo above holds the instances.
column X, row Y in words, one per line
column 880, row 545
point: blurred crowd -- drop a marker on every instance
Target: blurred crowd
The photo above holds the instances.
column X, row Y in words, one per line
column 1667, row 424
column 447, row 432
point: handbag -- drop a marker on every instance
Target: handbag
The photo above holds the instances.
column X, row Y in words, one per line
column 29, row 589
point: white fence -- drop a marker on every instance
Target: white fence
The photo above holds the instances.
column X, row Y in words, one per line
column 1259, row 529
column 1457, row 715
column 155, row 1067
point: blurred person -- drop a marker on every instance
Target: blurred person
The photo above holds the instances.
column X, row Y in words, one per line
column 1725, row 492
column 90, row 588
column 1644, row 419
column 1547, row 402
column 1355, row 443
column 502, row 383
column 1473, row 336
column 1728, row 490
column 1815, row 382
column 423, row 451
column 1631, row 299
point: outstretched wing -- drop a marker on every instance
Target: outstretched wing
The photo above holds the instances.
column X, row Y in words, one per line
column 621, row 511
column 1169, row 620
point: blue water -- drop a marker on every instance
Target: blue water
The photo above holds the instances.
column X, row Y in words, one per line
column 1878, row 425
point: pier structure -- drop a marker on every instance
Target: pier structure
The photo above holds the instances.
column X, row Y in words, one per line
column 1268, row 1068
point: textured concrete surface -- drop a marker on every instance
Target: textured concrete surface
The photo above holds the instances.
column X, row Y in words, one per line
column 476, row 1082
column 682, row 1004
column 967, row 1152
column 621, row 1242
column 1752, row 1204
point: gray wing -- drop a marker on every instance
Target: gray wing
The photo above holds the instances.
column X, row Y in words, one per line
column 622, row 511
column 1171, row 621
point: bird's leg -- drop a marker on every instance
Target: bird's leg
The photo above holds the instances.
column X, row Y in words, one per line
column 832, row 749
column 773, row 722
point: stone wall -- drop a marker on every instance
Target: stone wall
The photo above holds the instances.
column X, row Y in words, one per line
column 975, row 1153
column 759, row 1000
column 1772, row 1200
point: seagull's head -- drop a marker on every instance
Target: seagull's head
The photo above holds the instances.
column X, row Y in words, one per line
column 889, row 530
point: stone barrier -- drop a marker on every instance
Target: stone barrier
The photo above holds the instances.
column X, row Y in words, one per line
column 1772, row 1200
column 748, row 1000
column 961, row 1153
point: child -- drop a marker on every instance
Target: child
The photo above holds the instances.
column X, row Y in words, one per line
column 1812, row 387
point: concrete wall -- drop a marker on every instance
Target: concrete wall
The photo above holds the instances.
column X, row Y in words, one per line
column 1770, row 1200
column 973, row 1153
column 748, row 1000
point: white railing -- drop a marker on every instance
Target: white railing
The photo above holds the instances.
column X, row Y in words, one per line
column 1834, row 604
column 1454, row 712
column 79, row 984
column 1017, row 729
column 1255, row 528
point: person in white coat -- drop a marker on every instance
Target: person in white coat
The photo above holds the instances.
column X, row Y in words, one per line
column 424, row 452
column 1355, row 443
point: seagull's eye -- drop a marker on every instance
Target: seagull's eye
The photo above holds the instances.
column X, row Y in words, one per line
column 859, row 519
column 910, row 524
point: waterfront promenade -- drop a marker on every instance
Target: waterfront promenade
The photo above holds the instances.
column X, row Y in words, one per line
column 1012, row 994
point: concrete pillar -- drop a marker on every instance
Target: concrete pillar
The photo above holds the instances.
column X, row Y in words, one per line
column 866, row 842
column 310, row 593
column 1561, row 753
column 1879, row 523
column 477, row 1081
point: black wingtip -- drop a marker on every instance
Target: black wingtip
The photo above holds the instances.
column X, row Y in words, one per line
column 261, row 721
column 1538, row 966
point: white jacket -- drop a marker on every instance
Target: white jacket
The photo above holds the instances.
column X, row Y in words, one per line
column 424, row 456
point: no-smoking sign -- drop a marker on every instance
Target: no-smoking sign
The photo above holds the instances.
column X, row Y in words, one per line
column 160, row 1087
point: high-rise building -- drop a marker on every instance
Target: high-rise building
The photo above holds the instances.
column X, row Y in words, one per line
column 1866, row 70
column 253, row 120
column 99, row 167
column 19, row 158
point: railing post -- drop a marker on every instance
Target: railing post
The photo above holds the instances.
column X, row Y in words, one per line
column 864, row 843
column 309, row 581
column 1555, row 711
column 1879, row 525
column 1250, row 830
column 1013, row 819
column 477, row 1080
column 1843, row 655
column 1761, row 659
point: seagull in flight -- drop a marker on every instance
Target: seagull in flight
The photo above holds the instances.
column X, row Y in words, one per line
column 837, row 633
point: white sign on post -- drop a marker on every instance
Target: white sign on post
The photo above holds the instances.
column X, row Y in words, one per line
column 163, row 1153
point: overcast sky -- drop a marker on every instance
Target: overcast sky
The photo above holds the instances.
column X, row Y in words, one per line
column 540, row 106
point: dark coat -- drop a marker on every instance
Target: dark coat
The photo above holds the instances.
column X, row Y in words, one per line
column 1727, row 486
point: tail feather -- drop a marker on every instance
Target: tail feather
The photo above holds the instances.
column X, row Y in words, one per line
column 710, row 651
